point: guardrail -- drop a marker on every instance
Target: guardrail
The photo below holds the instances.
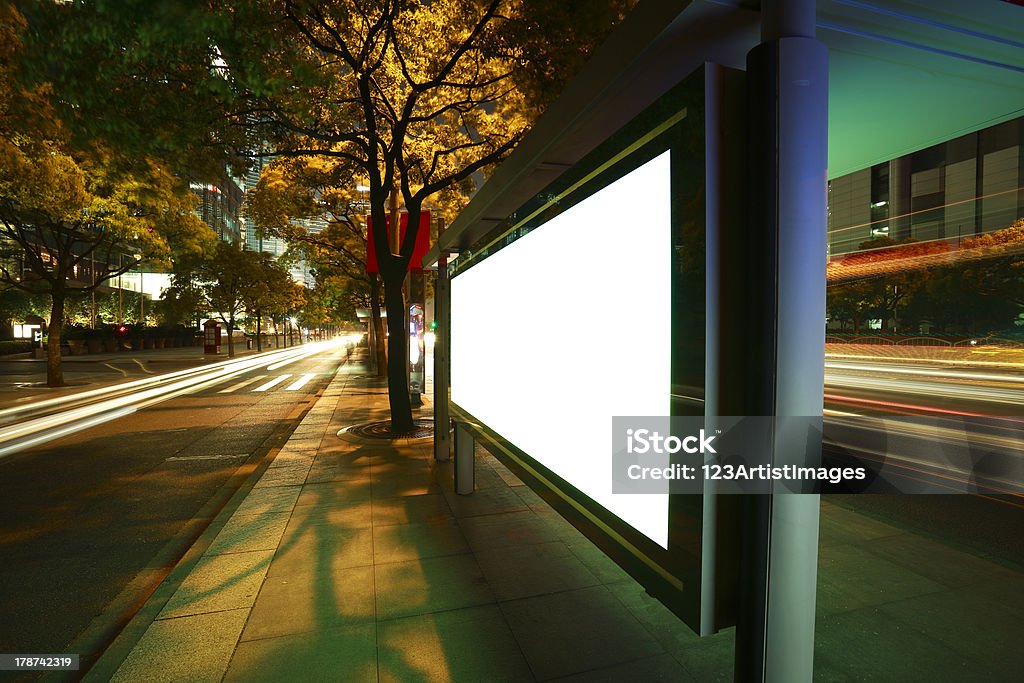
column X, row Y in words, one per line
column 944, row 342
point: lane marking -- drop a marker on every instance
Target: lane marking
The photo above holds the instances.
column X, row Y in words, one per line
column 273, row 383
column 184, row 458
column 144, row 368
column 124, row 373
column 244, row 383
column 297, row 384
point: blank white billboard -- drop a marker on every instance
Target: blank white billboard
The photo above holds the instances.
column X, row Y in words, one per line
column 570, row 325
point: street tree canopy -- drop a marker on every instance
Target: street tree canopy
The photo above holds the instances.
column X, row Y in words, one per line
column 418, row 97
column 65, row 212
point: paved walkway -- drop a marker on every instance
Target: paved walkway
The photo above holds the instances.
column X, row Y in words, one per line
column 352, row 561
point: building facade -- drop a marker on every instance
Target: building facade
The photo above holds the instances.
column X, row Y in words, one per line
column 966, row 186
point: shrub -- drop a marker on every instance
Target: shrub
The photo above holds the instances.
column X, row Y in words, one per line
column 8, row 346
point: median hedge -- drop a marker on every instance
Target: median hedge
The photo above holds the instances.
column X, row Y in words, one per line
column 8, row 346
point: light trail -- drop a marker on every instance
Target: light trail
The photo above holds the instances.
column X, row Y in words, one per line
column 880, row 377
column 109, row 403
column 244, row 363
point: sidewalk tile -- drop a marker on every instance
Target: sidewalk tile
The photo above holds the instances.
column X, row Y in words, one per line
column 428, row 508
column 599, row 564
column 196, row 648
column 851, row 577
column 985, row 628
column 471, row 644
column 869, row 644
column 334, row 494
column 577, row 631
column 318, row 599
column 658, row 669
column 328, row 656
column 398, row 543
column 244, row 533
column 308, row 541
column 537, row 569
column 218, row 583
column 507, row 529
column 429, row 585
column 352, row 515
column 269, row 500
column 487, row 502
column 293, row 475
column 938, row 562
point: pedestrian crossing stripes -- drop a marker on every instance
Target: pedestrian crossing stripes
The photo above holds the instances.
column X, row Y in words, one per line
column 254, row 384
column 273, row 383
column 244, row 383
column 298, row 384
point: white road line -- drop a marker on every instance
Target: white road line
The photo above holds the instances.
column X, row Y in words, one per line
column 183, row 458
column 236, row 387
column 273, row 383
column 144, row 368
column 297, row 384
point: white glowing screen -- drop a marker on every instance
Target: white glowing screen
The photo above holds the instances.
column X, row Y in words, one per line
column 570, row 325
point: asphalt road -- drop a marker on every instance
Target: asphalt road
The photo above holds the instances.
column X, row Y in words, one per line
column 81, row 517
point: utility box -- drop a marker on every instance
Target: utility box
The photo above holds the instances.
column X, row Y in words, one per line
column 211, row 337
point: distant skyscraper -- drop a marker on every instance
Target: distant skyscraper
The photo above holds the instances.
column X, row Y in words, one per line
column 220, row 205
column 253, row 241
column 963, row 187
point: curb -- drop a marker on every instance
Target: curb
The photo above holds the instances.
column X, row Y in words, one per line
column 122, row 632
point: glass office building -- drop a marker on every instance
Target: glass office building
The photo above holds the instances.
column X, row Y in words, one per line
column 966, row 186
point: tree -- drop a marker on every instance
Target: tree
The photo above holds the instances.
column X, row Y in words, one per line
column 413, row 95
column 73, row 218
column 223, row 280
column 270, row 290
column 420, row 96
column 292, row 189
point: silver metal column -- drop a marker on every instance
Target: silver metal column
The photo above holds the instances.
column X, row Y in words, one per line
column 465, row 474
column 442, row 314
column 785, row 244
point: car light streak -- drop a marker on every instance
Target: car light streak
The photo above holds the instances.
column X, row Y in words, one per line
column 285, row 362
column 915, row 408
column 22, row 444
column 241, row 364
column 119, row 400
column 1004, row 396
column 944, row 373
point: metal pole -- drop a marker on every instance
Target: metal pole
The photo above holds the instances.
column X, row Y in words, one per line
column 442, row 313
column 92, row 323
column 464, row 460
column 142, row 300
column 120, row 292
column 785, row 296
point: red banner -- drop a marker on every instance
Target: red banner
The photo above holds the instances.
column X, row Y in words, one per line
column 420, row 250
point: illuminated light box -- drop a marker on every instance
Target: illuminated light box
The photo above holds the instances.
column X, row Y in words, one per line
column 570, row 325
column 588, row 302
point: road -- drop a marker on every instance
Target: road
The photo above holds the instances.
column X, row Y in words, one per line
column 99, row 515
column 958, row 396
column 96, row 517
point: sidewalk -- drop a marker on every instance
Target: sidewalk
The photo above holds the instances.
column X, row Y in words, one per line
column 354, row 561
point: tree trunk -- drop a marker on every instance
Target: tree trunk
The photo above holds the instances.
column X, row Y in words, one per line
column 377, row 338
column 54, row 369
column 259, row 331
column 398, row 356
column 231, row 337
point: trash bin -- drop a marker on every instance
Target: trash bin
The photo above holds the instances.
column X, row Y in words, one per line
column 248, row 343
